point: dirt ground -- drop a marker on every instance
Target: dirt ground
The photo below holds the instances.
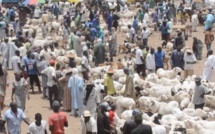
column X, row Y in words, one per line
column 37, row 104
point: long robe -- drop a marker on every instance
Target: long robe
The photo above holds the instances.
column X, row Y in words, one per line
column 76, row 85
column 77, row 45
column 99, row 54
column 109, row 22
column 129, row 87
column 195, row 21
column 70, row 44
column 92, row 101
column 115, row 42
column 8, row 51
column 3, row 83
column 101, row 34
column 67, row 92
column 209, row 21
column 208, row 71
column 177, row 59
column 150, row 62
column 151, row 3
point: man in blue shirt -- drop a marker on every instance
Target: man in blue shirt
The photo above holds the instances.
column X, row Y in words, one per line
column 164, row 28
column 159, row 58
column 95, row 22
column 135, row 23
column 33, row 72
column 14, row 117
column 88, row 23
column 93, row 33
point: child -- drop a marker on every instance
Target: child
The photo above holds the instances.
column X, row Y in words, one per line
column 112, row 116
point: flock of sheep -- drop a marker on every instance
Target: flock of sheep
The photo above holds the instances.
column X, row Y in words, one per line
column 167, row 99
column 162, row 93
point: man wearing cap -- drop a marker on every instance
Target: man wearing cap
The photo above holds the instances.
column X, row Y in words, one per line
column 189, row 61
column 199, row 91
column 141, row 128
column 108, row 83
column 103, row 124
column 52, row 81
column 57, row 120
column 88, row 123
column 130, row 124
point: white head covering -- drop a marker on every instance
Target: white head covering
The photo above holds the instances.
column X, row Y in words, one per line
column 74, row 71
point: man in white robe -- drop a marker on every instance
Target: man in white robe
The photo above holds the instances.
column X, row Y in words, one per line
column 195, row 22
column 150, row 61
column 77, row 44
column 76, row 85
column 91, row 99
column 209, row 66
column 8, row 51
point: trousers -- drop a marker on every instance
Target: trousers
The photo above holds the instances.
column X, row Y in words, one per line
column 53, row 91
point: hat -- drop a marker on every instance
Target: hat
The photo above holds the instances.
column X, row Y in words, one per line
column 56, row 104
column 106, row 105
column 135, row 111
column 71, row 55
column 86, row 113
column 197, row 78
column 178, row 30
column 52, row 62
column 110, row 71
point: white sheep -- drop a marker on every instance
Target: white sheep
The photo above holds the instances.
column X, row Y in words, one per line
column 195, row 113
column 161, row 107
column 209, row 101
column 182, row 98
column 171, row 74
column 200, row 130
column 121, row 102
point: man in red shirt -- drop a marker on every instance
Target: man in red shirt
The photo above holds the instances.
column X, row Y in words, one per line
column 58, row 120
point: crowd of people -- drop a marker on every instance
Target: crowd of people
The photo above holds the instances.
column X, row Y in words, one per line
column 65, row 88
